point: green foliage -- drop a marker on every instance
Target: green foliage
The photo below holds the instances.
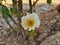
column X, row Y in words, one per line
column 32, row 34
column 5, row 11
column 13, row 11
column 49, row 1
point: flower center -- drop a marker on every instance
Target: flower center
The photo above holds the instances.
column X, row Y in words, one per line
column 30, row 22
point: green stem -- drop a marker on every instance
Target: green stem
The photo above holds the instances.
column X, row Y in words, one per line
column 14, row 3
column 20, row 5
column 13, row 19
column 49, row 2
column 30, row 4
column 19, row 12
column 9, row 24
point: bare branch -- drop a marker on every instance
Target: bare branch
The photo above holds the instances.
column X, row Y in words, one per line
column 35, row 2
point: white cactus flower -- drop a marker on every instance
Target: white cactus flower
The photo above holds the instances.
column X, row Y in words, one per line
column 30, row 21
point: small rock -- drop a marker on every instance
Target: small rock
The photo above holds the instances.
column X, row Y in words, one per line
column 53, row 21
column 57, row 17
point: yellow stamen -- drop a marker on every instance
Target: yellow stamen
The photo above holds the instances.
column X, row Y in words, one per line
column 30, row 22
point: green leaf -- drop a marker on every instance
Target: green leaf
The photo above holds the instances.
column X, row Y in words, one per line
column 5, row 11
column 13, row 11
column 49, row 1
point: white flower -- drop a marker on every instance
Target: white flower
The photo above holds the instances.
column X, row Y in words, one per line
column 30, row 21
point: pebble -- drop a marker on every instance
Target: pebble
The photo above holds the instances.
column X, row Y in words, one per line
column 57, row 17
column 53, row 21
